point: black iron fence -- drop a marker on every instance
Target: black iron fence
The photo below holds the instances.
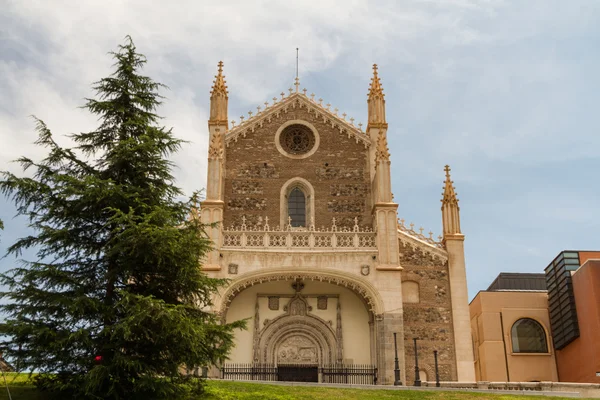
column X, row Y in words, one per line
column 334, row 373
column 352, row 374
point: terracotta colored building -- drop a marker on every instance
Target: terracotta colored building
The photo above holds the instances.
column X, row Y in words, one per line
column 511, row 330
column 540, row 327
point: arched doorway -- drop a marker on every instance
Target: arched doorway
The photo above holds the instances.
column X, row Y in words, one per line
column 307, row 319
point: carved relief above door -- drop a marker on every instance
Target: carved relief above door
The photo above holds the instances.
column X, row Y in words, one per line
column 297, row 349
column 298, row 336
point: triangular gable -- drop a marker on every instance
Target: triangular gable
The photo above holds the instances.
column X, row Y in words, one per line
column 316, row 109
column 422, row 243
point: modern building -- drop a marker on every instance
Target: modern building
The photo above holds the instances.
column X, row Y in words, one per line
column 309, row 237
column 540, row 327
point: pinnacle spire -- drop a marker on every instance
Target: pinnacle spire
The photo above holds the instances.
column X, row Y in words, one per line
column 219, row 86
column 375, row 90
column 450, row 209
column 219, row 100
column 376, row 100
column 449, row 195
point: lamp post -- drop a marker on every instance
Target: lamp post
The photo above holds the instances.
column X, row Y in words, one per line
column 417, row 377
column 396, row 365
column 437, row 374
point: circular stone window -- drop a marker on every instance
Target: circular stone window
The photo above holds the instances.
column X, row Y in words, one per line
column 297, row 140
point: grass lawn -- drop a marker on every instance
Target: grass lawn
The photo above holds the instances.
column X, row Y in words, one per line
column 21, row 389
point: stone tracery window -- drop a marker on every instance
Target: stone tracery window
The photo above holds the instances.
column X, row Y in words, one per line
column 297, row 139
column 528, row 336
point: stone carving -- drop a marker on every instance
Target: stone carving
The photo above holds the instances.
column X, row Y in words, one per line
column 382, row 152
column 232, row 269
column 273, row 303
column 256, row 333
column 297, row 349
column 363, row 289
column 322, row 303
column 215, row 148
column 316, row 111
column 365, row 270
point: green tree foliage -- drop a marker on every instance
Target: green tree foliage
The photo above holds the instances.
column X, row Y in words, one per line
column 116, row 274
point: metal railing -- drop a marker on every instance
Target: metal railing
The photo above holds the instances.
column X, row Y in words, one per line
column 334, row 373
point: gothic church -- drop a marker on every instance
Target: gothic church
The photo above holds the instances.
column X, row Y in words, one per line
column 309, row 237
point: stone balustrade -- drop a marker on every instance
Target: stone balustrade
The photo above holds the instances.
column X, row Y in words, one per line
column 262, row 237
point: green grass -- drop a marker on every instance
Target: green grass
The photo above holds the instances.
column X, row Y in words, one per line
column 22, row 389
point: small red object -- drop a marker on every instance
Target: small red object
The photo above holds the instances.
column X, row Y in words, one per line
column 98, row 359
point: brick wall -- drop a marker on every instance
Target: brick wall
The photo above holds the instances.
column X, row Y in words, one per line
column 430, row 320
column 256, row 172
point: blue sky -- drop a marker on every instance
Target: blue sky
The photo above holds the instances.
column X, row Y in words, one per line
column 506, row 92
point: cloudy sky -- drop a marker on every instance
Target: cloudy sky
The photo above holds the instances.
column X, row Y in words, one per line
column 506, row 92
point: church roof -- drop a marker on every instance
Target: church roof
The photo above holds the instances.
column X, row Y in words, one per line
column 297, row 99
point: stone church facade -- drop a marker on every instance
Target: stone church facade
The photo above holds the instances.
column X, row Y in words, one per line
column 308, row 235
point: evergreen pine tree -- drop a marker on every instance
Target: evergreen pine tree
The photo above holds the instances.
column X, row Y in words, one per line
column 113, row 304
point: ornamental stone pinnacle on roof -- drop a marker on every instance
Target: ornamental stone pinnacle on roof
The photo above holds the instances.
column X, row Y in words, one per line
column 449, row 195
column 219, row 86
column 375, row 90
column 376, row 101
column 218, row 100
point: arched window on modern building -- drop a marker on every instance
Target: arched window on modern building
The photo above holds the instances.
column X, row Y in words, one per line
column 297, row 207
column 528, row 336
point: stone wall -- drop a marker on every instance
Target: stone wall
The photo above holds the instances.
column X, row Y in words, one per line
column 255, row 172
column 430, row 320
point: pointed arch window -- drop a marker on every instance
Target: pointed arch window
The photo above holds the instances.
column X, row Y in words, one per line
column 297, row 204
column 528, row 336
column 297, row 207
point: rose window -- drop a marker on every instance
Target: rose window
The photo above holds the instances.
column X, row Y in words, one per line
column 297, row 139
